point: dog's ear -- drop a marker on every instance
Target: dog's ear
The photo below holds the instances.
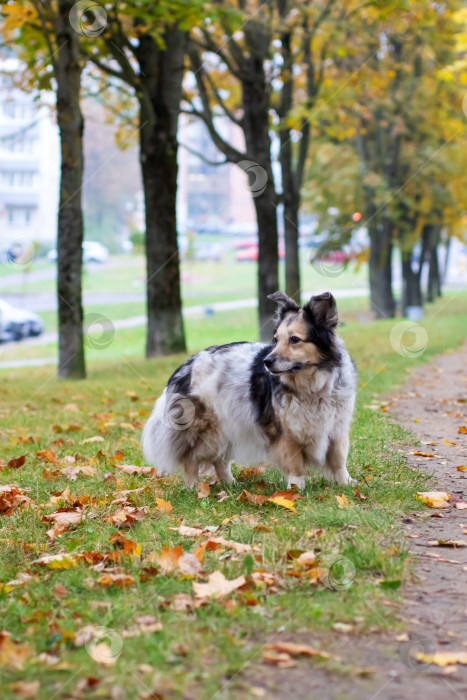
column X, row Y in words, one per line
column 284, row 305
column 324, row 309
column 283, row 300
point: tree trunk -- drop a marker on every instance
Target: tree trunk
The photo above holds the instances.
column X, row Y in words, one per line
column 70, row 217
column 411, row 289
column 161, row 74
column 256, row 129
column 292, row 251
column 380, row 269
column 434, row 275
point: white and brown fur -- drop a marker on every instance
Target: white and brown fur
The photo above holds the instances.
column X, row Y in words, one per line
column 288, row 404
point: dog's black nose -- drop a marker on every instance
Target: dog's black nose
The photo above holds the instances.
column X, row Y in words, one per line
column 268, row 362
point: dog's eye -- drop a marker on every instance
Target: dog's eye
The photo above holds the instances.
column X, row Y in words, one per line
column 294, row 340
column 274, row 340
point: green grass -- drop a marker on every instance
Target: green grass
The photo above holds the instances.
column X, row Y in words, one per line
column 201, row 652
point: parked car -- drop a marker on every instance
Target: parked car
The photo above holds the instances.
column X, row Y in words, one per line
column 207, row 251
column 251, row 254
column 16, row 324
column 92, row 252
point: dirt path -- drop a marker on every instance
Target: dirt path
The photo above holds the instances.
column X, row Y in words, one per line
column 433, row 405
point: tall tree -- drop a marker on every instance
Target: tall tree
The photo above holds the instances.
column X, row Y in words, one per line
column 44, row 28
column 239, row 39
column 144, row 46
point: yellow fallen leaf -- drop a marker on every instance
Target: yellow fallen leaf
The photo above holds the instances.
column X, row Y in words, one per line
column 444, row 658
column 284, row 502
column 434, row 499
column 462, row 429
column 424, row 454
column 342, row 501
column 299, row 650
column 448, row 442
column 461, row 468
column 217, row 586
column 164, row 506
column 56, row 561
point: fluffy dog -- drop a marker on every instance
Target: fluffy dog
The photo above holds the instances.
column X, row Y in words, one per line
column 288, row 404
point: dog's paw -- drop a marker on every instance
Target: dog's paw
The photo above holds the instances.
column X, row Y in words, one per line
column 298, row 481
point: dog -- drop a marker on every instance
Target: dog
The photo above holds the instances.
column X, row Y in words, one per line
column 288, row 404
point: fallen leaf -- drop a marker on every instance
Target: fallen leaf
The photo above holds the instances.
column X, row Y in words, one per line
column 342, row 501
column 47, row 456
column 460, row 505
column 181, row 602
column 217, row 586
column 448, row 442
column 462, row 429
column 168, row 558
column 461, row 468
column 15, row 463
column 299, row 650
column 359, row 495
column 127, row 516
column 13, row 654
column 73, row 472
column 239, row 547
column 12, row 496
column 25, row 689
column 434, row 499
column 424, row 454
column 289, row 495
column 252, row 498
column 72, row 517
column 133, row 469
column 306, row 559
column 447, row 543
column 117, row 579
column 189, row 531
column 203, row 490
column 95, row 438
column 444, row 658
column 189, row 564
column 56, row 561
column 164, row 506
column 283, row 502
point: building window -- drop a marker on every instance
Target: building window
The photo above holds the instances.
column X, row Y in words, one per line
column 17, row 144
column 16, row 110
column 18, row 179
column 18, row 216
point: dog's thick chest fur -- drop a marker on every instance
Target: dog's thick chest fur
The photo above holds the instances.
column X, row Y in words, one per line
column 288, row 404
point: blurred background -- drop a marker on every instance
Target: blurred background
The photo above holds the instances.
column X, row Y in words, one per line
column 202, row 155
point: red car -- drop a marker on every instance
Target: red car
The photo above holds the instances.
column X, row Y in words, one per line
column 251, row 254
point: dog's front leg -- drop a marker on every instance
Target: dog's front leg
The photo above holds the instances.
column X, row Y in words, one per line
column 190, row 474
column 290, row 457
column 223, row 471
column 336, row 460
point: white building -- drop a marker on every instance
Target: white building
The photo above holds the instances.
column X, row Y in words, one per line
column 29, row 165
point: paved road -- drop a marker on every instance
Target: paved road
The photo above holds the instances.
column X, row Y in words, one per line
column 136, row 321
